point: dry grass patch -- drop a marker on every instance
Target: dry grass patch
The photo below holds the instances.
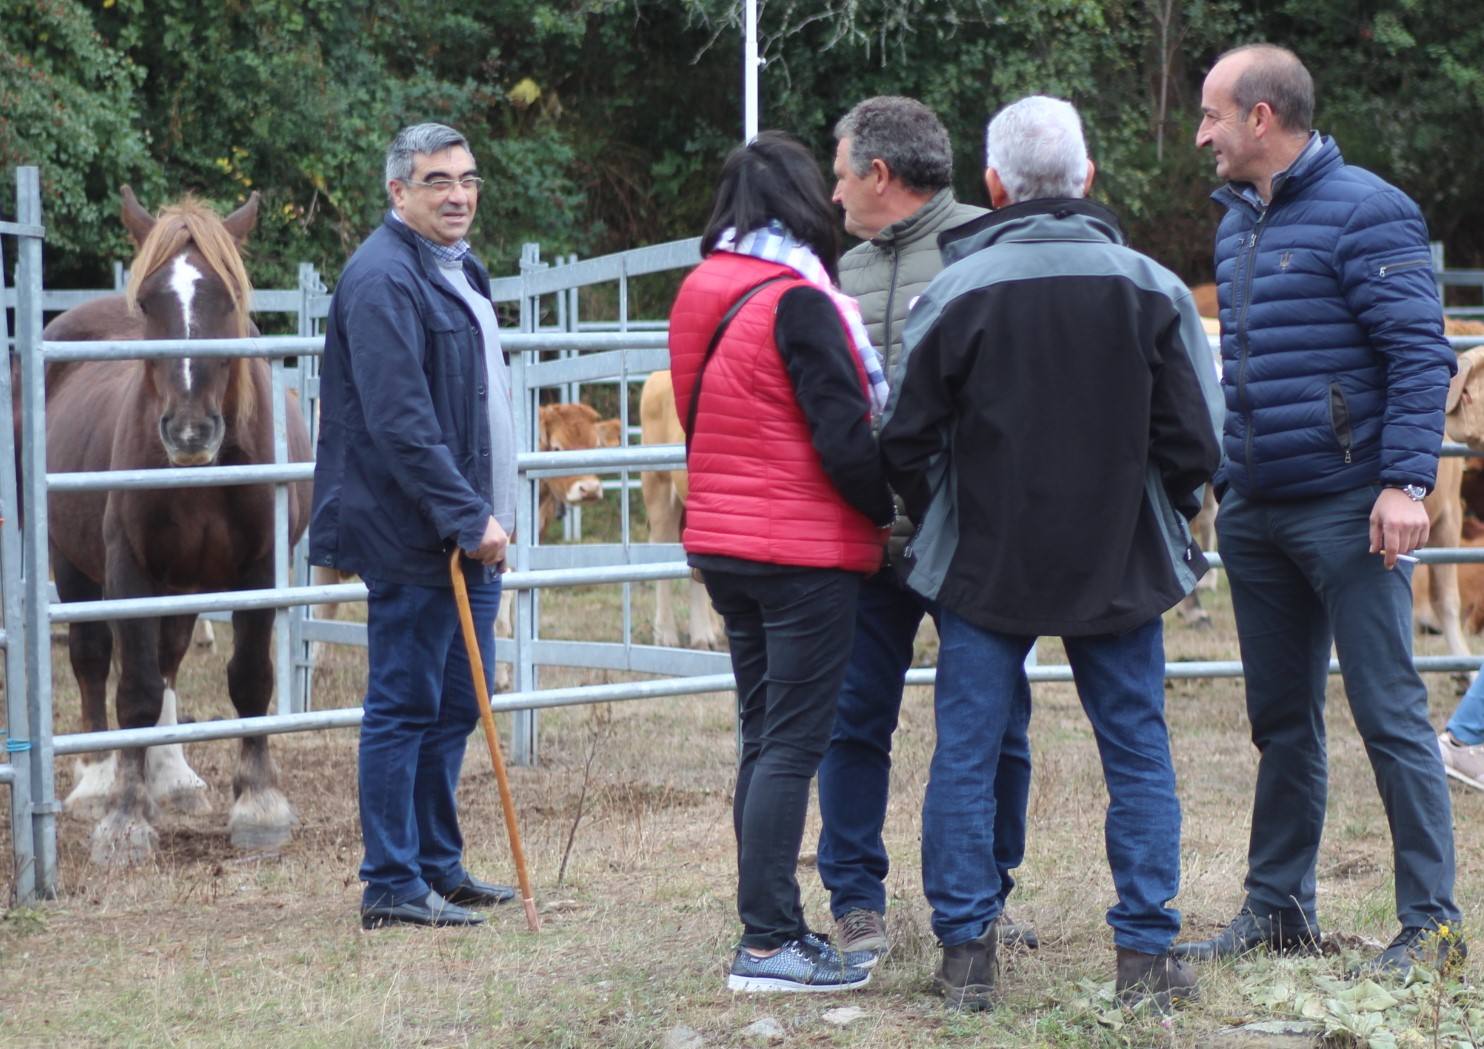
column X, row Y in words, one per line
column 209, row 948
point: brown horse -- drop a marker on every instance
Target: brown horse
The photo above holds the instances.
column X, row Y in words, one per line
column 187, row 282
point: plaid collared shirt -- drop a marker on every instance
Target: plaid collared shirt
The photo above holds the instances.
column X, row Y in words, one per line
column 442, row 252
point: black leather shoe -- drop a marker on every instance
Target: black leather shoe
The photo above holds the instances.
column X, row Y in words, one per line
column 1247, row 932
column 1439, row 948
column 471, row 892
column 432, row 909
column 1012, row 933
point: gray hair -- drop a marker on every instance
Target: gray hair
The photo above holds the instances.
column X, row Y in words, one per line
column 903, row 133
column 419, row 138
column 1037, row 147
column 1275, row 76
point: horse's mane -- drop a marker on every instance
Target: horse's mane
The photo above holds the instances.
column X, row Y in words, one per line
column 179, row 224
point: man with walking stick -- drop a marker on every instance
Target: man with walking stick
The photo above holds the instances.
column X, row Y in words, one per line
column 416, row 458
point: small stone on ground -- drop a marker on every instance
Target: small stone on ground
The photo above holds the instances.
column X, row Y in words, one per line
column 767, row 1030
column 683, row 1037
column 844, row 1015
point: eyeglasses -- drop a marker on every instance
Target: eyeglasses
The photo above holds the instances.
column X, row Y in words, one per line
column 471, row 183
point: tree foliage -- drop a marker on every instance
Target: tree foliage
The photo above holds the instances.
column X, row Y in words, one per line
column 601, row 124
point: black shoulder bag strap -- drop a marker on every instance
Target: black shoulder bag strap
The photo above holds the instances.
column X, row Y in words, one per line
column 695, row 393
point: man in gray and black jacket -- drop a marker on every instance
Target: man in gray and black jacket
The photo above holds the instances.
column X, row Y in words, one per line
column 893, row 167
column 1051, row 424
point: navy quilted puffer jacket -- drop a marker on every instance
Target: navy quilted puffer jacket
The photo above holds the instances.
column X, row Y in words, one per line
column 1334, row 364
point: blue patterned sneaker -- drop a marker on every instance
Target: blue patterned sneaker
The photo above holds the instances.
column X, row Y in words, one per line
column 831, row 955
column 796, row 967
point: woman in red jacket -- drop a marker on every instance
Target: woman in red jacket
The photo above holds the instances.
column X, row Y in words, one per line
column 787, row 510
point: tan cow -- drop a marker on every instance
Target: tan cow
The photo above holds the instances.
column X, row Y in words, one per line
column 1436, row 601
column 664, row 505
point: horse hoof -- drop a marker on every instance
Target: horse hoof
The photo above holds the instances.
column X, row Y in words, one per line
column 184, row 800
column 173, row 784
column 122, row 840
column 261, row 820
column 89, row 797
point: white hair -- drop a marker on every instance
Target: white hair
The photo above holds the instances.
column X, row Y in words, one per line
column 1036, row 146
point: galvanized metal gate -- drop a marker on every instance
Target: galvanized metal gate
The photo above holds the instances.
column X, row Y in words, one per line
column 566, row 356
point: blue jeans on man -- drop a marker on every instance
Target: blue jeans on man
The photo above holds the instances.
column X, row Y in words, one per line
column 854, row 776
column 419, row 710
column 980, row 692
column 1302, row 575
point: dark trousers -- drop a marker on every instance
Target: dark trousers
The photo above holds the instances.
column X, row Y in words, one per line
column 981, row 690
column 1301, row 574
column 854, row 775
column 789, row 634
column 419, row 711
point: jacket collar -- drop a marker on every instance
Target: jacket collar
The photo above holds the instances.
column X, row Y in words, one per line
column 428, row 261
column 1319, row 158
column 918, row 224
column 1048, row 218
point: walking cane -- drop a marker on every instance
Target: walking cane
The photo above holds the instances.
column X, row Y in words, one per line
column 487, row 719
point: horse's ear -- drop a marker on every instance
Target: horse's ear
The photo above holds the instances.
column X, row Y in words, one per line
column 240, row 223
column 136, row 220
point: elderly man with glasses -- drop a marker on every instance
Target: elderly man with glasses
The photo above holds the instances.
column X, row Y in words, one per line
column 416, row 457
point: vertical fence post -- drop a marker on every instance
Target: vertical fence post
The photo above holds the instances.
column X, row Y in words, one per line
column 38, row 655
column 283, row 641
column 17, row 733
column 310, row 288
column 527, row 401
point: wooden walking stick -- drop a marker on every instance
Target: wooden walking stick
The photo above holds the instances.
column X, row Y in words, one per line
column 487, row 719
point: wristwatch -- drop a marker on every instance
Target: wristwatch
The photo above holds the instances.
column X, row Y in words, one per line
column 1414, row 492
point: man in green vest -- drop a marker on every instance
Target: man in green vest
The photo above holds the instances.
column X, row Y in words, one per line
column 894, row 167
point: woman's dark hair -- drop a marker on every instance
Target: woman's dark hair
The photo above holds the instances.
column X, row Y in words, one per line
column 775, row 177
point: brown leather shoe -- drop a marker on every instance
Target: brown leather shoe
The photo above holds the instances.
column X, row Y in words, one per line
column 1159, row 978
column 966, row 976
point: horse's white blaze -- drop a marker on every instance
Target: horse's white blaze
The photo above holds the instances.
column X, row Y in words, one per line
column 183, row 278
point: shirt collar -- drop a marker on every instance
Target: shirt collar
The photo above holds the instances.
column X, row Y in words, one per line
column 1249, row 191
column 449, row 253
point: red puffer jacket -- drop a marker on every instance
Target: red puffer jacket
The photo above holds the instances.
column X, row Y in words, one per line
column 757, row 489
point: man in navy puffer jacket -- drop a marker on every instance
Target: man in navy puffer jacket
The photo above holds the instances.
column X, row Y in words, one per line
column 1335, row 371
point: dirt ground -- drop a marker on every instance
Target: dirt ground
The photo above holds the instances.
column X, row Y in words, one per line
column 207, row 947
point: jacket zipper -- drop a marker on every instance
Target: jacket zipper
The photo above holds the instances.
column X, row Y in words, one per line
column 1394, row 266
column 1246, row 301
column 1339, row 419
column 891, row 294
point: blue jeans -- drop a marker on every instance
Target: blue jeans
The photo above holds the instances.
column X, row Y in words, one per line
column 856, row 769
column 1302, row 575
column 981, row 686
column 419, row 711
column 789, row 633
column 1467, row 722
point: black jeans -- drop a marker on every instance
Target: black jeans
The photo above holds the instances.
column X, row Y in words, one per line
column 790, row 635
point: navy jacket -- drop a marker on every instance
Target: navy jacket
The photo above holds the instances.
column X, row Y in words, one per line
column 1334, row 364
column 402, row 471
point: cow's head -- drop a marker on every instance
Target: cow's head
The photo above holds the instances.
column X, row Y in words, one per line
column 565, row 428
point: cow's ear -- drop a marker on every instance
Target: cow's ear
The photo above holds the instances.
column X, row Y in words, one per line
column 587, row 411
column 1457, row 388
column 610, row 433
column 543, row 430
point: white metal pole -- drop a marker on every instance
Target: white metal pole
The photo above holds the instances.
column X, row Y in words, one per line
column 749, row 70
